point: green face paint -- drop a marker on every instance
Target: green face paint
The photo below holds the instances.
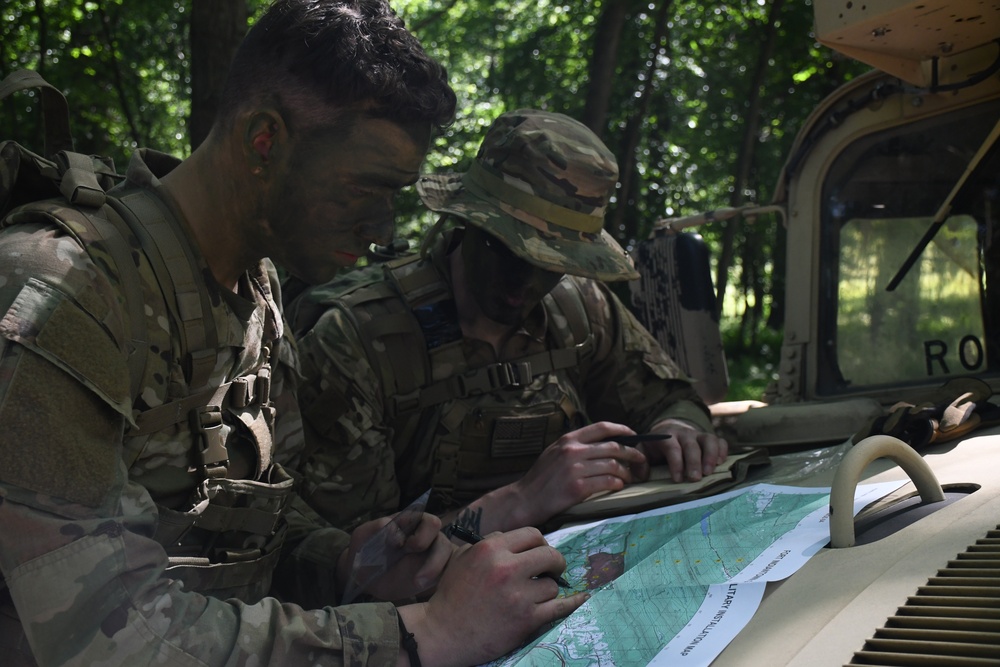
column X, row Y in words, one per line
column 505, row 286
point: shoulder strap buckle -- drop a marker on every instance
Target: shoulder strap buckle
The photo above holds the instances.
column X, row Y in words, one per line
column 510, row 374
column 210, row 445
column 252, row 389
column 490, row 378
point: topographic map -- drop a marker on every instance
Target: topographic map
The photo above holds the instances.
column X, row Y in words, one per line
column 651, row 574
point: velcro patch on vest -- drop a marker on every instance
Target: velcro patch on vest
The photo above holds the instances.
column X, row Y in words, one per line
column 439, row 323
column 54, row 326
column 66, row 452
column 518, row 436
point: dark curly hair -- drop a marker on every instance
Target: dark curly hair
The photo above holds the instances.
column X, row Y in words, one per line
column 349, row 54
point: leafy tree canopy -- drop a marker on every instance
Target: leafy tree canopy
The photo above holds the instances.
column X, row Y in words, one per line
column 699, row 101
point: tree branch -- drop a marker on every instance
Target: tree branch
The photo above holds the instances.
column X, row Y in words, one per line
column 432, row 17
column 119, row 81
column 633, row 128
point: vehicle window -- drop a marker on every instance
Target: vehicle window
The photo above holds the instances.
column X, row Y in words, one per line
column 879, row 201
column 931, row 325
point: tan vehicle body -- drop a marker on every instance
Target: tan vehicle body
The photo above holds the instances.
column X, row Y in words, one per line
column 884, row 158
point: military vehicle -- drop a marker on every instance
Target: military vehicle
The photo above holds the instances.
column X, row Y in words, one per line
column 891, row 201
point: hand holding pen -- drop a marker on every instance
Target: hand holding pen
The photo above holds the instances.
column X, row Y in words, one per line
column 472, row 537
column 690, row 453
column 490, row 596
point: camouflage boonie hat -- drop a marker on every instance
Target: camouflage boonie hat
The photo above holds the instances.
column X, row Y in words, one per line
column 540, row 183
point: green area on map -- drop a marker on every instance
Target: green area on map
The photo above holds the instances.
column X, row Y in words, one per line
column 649, row 575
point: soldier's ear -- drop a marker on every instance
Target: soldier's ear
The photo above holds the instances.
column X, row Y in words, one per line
column 265, row 134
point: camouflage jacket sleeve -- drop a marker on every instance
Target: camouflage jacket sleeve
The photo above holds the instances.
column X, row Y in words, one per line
column 349, row 473
column 87, row 580
column 631, row 379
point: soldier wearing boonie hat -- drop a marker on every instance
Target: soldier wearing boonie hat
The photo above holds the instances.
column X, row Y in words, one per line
column 495, row 367
column 540, row 183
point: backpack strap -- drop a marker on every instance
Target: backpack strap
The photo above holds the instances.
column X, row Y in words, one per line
column 129, row 218
column 383, row 319
column 572, row 339
column 55, row 108
column 176, row 271
column 187, row 300
column 573, row 328
column 382, row 312
column 408, row 385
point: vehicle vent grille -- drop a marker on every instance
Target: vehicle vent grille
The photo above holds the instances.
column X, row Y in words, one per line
column 953, row 621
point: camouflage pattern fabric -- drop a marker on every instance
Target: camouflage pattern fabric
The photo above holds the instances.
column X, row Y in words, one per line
column 81, row 570
column 362, row 462
column 541, row 183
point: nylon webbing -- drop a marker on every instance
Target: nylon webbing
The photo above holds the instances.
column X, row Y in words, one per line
column 79, row 181
column 55, row 108
column 128, row 274
column 380, row 312
column 491, row 377
column 419, row 283
column 178, row 276
column 178, row 410
column 172, row 524
column 373, row 292
column 565, row 299
column 388, row 324
column 204, row 576
column 517, row 372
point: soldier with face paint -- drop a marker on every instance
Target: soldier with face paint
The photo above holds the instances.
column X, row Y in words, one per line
column 144, row 518
column 495, row 367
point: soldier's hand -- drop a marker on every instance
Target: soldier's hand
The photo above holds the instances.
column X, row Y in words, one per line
column 490, row 600
column 428, row 552
column 689, row 454
column 575, row 467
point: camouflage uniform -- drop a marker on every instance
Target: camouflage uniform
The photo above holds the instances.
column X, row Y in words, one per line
column 83, row 500
column 396, row 399
column 365, row 456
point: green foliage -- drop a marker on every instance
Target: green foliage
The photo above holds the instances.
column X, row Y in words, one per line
column 696, row 87
column 125, row 69
column 750, row 373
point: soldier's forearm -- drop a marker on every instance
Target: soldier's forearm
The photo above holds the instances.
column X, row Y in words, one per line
column 499, row 510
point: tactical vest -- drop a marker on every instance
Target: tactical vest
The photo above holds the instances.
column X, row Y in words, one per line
column 476, row 428
column 226, row 538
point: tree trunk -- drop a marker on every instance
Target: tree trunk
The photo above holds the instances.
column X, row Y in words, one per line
column 776, row 315
column 602, row 65
column 217, row 27
column 43, row 36
column 619, row 227
column 745, row 159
